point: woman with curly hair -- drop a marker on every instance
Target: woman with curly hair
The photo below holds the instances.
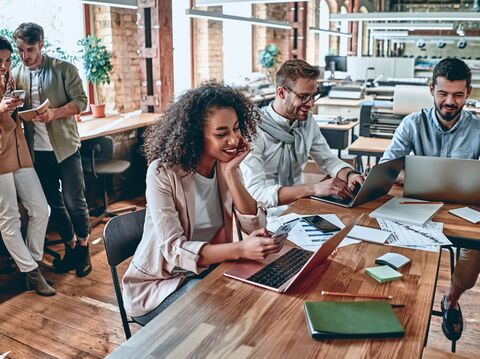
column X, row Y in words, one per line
column 194, row 189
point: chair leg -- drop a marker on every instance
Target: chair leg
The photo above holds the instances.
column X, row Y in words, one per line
column 113, row 212
column 50, row 251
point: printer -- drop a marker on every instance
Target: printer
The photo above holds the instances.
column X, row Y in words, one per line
column 349, row 91
column 381, row 118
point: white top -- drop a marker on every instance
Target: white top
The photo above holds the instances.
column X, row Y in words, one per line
column 260, row 167
column 208, row 208
column 41, row 141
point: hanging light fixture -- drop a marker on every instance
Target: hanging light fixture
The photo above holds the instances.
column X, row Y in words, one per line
column 411, row 25
column 200, row 14
column 330, row 32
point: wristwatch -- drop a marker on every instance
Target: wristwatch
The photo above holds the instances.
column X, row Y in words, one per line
column 350, row 172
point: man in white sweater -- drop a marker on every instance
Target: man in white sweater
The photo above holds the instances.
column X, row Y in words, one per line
column 287, row 135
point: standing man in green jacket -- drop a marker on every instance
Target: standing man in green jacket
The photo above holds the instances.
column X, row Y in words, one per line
column 54, row 142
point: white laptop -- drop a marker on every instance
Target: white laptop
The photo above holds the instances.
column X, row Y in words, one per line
column 442, row 179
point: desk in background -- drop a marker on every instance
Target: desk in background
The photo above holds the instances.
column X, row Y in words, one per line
column 337, row 136
column 92, row 128
column 126, row 132
column 222, row 317
column 368, row 146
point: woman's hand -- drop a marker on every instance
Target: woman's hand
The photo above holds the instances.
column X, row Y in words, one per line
column 243, row 149
column 10, row 104
column 259, row 244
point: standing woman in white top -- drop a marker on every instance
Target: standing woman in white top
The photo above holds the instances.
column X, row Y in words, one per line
column 194, row 189
column 17, row 177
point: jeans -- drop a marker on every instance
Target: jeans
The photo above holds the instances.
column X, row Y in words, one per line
column 24, row 183
column 64, row 187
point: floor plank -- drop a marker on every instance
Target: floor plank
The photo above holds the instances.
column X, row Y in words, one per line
column 82, row 320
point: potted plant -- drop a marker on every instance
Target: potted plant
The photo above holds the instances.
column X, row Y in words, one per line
column 97, row 66
column 268, row 59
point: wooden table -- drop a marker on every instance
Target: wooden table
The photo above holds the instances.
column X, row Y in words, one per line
column 368, row 146
column 91, row 128
column 225, row 318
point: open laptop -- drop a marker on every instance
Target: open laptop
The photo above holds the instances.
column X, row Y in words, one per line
column 442, row 179
column 282, row 270
column 378, row 182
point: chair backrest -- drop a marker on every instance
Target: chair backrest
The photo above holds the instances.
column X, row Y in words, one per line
column 121, row 236
column 96, row 150
column 102, row 147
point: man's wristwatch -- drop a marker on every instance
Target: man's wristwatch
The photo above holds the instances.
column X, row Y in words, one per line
column 351, row 172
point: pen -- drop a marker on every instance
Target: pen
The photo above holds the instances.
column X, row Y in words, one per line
column 398, row 305
column 360, row 295
column 412, row 202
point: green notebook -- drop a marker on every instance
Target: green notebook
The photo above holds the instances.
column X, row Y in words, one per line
column 349, row 320
column 383, row 274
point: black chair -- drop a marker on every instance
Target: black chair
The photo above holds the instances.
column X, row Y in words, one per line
column 121, row 236
column 97, row 157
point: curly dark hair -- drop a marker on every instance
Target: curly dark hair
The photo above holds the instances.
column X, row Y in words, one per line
column 453, row 70
column 177, row 139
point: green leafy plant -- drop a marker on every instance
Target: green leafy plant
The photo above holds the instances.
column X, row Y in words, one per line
column 268, row 57
column 48, row 48
column 96, row 60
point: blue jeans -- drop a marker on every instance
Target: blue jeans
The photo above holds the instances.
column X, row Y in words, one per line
column 64, row 187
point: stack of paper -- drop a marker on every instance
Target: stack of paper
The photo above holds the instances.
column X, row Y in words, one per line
column 383, row 274
column 305, row 235
column 404, row 210
column 429, row 237
column 369, row 234
column 467, row 213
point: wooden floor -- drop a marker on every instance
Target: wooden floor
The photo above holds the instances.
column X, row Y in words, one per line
column 82, row 320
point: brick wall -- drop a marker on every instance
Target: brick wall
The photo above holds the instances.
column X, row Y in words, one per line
column 312, row 52
column 118, row 30
column 208, row 48
column 263, row 36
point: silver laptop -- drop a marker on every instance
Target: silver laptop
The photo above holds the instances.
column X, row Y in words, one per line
column 378, row 182
column 282, row 270
column 442, row 179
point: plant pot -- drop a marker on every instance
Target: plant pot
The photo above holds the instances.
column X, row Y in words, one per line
column 98, row 111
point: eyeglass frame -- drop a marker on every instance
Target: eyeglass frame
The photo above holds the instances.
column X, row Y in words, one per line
column 303, row 97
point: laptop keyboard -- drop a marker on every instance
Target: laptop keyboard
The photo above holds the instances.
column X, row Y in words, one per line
column 282, row 269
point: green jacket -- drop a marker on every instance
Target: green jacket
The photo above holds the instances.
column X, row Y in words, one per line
column 60, row 83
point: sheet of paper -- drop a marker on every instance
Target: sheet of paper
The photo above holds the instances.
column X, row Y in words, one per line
column 304, row 234
column 428, row 237
column 369, row 234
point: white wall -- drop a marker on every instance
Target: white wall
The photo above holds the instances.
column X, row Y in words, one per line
column 237, row 43
column 182, row 55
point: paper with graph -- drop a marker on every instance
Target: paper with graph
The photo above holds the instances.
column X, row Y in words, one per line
column 428, row 237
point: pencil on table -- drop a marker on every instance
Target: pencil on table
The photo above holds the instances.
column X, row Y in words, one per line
column 413, row 202
column 359, row 295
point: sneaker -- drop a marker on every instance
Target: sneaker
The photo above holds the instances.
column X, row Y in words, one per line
column 452, row 321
